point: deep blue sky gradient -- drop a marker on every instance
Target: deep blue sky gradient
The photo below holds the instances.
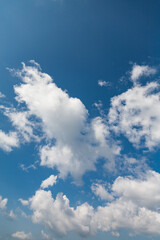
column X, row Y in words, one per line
column 77, row 42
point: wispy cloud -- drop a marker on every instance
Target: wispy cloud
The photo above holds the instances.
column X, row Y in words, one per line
column 103, row 83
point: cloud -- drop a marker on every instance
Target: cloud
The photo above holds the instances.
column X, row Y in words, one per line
column 23, row 202
column 44, row 235
column 139, row 71
column 24, row 126
column 58, row 216
column 2, row 95
column 11, row 215
column 22, row 235
column 103, row 83
column 100, row 191
column 115, row 234
column 49, row 182
column 140, row 191
column 8, row 141
column 31, row 166
column 72, row 138
column 3, row 202
column 131, row 207
column 136, row 114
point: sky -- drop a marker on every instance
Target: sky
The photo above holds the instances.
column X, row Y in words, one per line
column 80, row 114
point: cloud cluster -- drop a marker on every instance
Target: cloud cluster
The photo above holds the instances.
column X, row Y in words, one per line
column 136, row 114
column 73, row 139
column 58, row 216
column 73, row 143
column 132, row 206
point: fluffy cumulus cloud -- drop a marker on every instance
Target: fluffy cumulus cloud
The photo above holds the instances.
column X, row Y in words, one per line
column 72, row 142
column 22, row 235
column 131, row 207
column 136, row 114
column 58, row 216
column 141, row 70
column 73, row 139
column 140, row 191
column 49, row 182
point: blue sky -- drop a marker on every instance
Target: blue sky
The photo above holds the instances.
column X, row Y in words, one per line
column 79, row 129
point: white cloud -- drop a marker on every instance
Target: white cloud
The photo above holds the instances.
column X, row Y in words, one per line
column 100, row 191
column 2, row 95
column 23, row 202
column 22, row 124
column 22, row 235
column 31, row 166
column 3, row 202
column 133, row 207
column 79, row 142
column 139, row 71
column 125, row 214
column 115, row 234
column 140, row 191
column 103, row 83
column 8, row 141
column 49, row 182
column 11, row 215
column 58, row 216
column 44, row 235
column 136, row 114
